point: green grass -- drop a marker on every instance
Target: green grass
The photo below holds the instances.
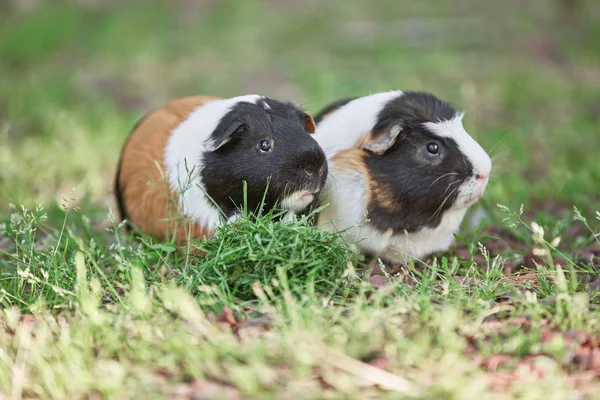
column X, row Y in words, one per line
column 281, row 310
column 248, row 251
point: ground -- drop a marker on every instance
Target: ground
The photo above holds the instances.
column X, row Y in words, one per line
column 282, row 310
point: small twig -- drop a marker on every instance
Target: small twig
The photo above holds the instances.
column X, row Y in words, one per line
column 377, row 376
column 493, row 311
column 18, row 373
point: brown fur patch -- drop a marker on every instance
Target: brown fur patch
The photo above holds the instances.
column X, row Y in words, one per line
column 353, row 160
column 383, row 196
column 360, row 143
column 309, row 124
column 147, row 197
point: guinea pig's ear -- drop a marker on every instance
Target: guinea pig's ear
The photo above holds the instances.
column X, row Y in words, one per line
column 223, row 134
column 381, row 140
column 309, row 123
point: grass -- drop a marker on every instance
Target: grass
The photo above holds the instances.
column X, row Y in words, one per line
column 258, row 250
column 280, row 310
column 92, row 317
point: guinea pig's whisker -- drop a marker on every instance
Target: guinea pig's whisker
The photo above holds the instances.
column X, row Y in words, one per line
column 494, row 179
column 449, row 173
column 499, row 169
column 332, row 180
column 494, row 147
column 286, row 190
column 450, row 185
column 501, row 151
column 500, row 156
column 439, row 209
column 499, row 166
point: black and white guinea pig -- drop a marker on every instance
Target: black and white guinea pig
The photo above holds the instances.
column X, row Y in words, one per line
column 402, row 172
column 189, row 159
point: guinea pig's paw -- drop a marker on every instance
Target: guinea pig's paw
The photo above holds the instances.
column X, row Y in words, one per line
column 224, row 222
column 234, row 217
column 289, row 216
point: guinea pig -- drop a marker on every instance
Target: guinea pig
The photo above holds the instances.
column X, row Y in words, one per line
column 402, row 173
column 182, row 169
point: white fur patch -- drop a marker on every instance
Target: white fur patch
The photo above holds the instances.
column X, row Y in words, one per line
column 344, row 127
column 453, row 128
column 183, row 158
column 401, row 248
column 472, row 188
column 297, row 201
column 345, row 194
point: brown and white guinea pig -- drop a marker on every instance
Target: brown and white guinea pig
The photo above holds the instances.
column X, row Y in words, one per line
column 189, row 159
column 402, row 172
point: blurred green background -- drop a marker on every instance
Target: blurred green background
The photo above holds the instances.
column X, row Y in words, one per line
column 76, row 75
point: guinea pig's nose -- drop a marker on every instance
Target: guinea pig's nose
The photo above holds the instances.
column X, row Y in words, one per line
column 481, row 177
column 309, row 171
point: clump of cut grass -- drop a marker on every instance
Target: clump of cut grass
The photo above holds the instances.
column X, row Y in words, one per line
column 260, row 248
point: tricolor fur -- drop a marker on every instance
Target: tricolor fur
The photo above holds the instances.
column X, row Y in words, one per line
column 324, row 113
column 402, row 172
column 182, row 169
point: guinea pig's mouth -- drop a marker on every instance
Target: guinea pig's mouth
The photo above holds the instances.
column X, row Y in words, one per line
column 472, row 200
column 298, row 201
column 473, row 197
column 307, row 196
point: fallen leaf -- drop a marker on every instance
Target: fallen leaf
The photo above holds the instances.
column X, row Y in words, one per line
column 378, row 281
column 226, row 316
column 163, row 374
column 381, row 362
column 522, row 321
column 547, row 335
column 594, row 285
column 577, row 336
column 493, row 362
column 501, row 380
column 28, row 319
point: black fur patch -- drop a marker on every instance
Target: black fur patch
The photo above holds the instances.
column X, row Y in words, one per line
column 240, row 159
column 411, row 189
column 332, row 107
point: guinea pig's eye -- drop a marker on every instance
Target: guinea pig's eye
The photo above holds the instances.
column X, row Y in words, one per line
column 265, row 146
column 433, row 148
